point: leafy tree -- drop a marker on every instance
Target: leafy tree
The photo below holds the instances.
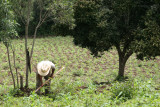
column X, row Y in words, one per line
column 102, row 24
column 7, row 28
column 63, row 18
column 23, row 10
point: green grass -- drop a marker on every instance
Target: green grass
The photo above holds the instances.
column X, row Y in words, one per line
column 86, row 81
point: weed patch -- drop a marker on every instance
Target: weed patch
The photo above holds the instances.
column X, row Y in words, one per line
column 123, row 90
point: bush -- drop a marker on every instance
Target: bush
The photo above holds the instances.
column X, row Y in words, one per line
column 123, row 90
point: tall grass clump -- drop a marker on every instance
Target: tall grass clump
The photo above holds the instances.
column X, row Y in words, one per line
column 123, row 90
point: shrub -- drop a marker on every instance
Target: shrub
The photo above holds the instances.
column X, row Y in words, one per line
column 123, row 90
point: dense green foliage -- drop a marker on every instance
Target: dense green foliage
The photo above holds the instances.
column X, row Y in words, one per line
column 149, row 35
column 102, row 24
column 90, row 30
column 85, row 81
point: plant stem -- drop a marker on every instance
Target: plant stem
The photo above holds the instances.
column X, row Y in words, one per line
column 10, row 66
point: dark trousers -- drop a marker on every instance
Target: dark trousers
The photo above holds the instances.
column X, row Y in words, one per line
column 47, row 85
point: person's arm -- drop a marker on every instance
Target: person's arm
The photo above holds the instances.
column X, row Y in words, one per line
column 53, row 69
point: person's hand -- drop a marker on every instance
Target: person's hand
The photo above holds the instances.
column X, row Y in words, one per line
column 51, row 77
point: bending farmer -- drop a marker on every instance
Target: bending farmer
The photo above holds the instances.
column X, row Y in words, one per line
column 44, row 69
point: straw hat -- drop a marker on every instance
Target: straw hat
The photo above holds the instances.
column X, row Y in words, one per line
column 43, row 68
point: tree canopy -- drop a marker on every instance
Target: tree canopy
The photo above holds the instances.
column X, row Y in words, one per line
column 149, row 35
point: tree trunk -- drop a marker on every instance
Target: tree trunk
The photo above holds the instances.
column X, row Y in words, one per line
column 10, row 66
column 121, row 66
column 26, row 37
column 123, row 57
column 21, row 82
